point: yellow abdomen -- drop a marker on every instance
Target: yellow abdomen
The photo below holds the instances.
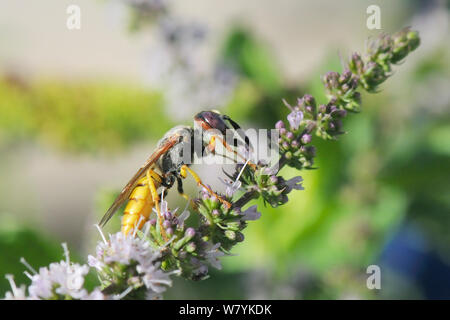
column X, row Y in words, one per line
column 139, row 207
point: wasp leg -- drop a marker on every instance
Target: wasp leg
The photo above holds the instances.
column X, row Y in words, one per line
column 155, row 176
column 151, row 184
column 212, row 146
column 184, row 195
column 183, row 173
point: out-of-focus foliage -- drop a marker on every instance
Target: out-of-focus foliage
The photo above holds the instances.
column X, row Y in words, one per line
column 79, row 116
column 261, row 88
column 252, row 59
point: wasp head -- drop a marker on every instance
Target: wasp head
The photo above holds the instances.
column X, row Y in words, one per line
column 216, row 123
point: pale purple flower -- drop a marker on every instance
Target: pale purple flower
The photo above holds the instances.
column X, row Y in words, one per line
column 153, row 277
column 182, row 218
column 96, row 294
column 212, row 255
column 294, row 183
column 251, row 214
column 121, row 249
column 200, row 270
column 69, row 277
column 41, row 285
column 59, row 279
column 295, row 118
column 231, row 186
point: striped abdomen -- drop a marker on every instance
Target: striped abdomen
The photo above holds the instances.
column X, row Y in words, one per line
column 139, row 207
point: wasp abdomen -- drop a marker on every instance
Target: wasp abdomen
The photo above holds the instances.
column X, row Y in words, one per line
column 139, row 207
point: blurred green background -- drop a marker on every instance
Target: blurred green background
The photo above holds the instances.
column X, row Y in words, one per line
column 78, row 117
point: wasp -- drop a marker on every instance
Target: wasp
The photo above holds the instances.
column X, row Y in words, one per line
column 168, row 164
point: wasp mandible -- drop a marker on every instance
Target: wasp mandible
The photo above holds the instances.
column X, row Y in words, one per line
column 168, row 164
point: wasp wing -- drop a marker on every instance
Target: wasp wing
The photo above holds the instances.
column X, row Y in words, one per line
column 125, row 193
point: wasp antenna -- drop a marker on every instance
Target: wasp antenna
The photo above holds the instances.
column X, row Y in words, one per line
column 239, row 130
column 227, row 174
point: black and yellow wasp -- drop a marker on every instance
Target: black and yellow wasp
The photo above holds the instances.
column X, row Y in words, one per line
column 168, row 164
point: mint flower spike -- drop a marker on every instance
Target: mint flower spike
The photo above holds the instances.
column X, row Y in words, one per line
column 131, row 266
column 382, row 52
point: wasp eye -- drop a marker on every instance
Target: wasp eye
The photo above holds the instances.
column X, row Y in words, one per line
column 211, row 120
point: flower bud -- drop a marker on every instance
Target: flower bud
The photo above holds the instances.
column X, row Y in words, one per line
column 167, row 215
column 345, row 76
column 205, row 195
column 309, row 100
column 306, row 138
column 345, row 87
column 279, row 124
column 215, row 213
column 273, row 179
column 322, row 108
column 190, row 233
column 290, row 135
column 182, row 255
column 166, row 224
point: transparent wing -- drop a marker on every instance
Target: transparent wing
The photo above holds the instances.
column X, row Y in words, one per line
column 126, row 191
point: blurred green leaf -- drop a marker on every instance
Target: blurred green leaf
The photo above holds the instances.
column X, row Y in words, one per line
column 252, row 59
column 86, row 117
